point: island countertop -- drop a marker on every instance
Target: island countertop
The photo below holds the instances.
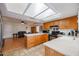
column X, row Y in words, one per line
column 34, row 34
column 65, row 45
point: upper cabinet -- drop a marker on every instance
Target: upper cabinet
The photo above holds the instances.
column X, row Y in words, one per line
column 67, row 23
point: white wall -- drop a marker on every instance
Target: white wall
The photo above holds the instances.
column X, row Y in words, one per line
column 7, row 30
column 37, row 28
column 11, row 27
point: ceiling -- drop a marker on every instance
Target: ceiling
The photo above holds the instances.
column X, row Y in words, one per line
column 39, row 12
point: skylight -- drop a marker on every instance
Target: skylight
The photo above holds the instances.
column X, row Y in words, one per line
column 16, row 7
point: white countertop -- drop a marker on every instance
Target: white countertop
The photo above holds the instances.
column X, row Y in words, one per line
column 34, row 34
column 65, row 45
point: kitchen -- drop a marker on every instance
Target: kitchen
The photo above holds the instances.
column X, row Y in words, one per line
column 41, row 24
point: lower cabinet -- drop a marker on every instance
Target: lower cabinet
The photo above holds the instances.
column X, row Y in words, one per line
column 35, row 40
column 52, row 52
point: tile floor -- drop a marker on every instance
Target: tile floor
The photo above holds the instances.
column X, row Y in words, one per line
column 34, row 51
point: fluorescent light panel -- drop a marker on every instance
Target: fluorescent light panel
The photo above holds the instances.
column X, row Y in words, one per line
column 46, row 14
column 16, row 7
column 35, row 9
column 52, row 17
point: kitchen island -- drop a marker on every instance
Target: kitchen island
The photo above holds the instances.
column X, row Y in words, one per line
column 35, row 39
column 62, row 46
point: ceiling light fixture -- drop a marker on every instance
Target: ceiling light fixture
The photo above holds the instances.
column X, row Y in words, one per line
column 22, row 22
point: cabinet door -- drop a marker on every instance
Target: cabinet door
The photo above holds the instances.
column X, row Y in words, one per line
column 74, row 23
column 37, row 39
column 45, row 37
column 33, row 29
column 31, row 39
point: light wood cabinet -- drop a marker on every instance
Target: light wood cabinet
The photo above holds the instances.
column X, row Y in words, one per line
column 52, row 52
column 66, row 23
column 35, row 40
column 33, row 29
